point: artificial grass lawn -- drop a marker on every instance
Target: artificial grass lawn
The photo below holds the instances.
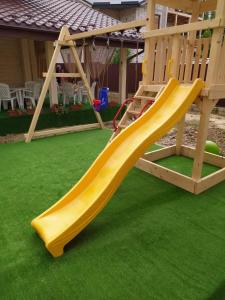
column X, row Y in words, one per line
column 152, row 241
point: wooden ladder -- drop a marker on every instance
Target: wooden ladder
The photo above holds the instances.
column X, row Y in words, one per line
column 142, row 100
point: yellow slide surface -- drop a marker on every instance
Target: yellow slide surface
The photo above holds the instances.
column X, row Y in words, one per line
column 73, row 212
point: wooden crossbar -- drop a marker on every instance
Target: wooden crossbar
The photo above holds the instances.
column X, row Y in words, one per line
column 70, row 75
column 215, row 23
column 63, row 130
column 114, row 28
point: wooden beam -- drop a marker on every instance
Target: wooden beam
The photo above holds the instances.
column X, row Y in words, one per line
column 209, row 181
column 26, row 60
column 216, row 47
column 33, row 60
column 177, row 4
column 209, row 5
column 205, row 111
column 160, row 153
column 101, row 31
column 216, row 91
column 168, row 175
column 69, row 75
column 149, row 45
column 189, row 55
column 209, row 158
column 215, row 23
column 123, row 74
column 63, row 130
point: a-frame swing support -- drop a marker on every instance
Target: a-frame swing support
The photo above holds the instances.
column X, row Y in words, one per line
column 49, row 75
column 66, row 39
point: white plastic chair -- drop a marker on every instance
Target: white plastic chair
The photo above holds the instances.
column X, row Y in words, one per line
column 69, row 91
column 7, row 96
column 29, row 85
column 33, row 95
column 84, row 92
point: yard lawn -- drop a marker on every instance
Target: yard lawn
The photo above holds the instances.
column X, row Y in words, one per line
column 152, row 241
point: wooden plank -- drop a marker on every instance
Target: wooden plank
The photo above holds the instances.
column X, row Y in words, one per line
column 216, row 91
column 168, row 175
column 209, row 181
column 206, row 108
column 216, row 46
column 101, row 31
column 197, row 59
column 69, row 75
column 209, row 158
column 149, row 45
column 205, row 52
column 151, row 88
column 158, row 61
column 160, row 153
column 63, row 130
column 45, row 88
column 195, row 26
column 177, row 4
column 175, row 56
column 26, row 60
column 182, row 59
column 209, row 5
column 168, row 57
column 33, row 60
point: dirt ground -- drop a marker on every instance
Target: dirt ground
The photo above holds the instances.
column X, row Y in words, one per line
column 216, row 132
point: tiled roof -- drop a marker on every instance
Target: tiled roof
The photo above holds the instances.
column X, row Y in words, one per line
column 51, row 15
column 113, row 3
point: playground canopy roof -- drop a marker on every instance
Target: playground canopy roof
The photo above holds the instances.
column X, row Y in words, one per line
column 47, row 17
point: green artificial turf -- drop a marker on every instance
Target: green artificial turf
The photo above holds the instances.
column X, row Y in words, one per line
column 152, row 241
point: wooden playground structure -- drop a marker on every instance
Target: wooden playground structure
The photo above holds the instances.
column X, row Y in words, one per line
column 180, row 52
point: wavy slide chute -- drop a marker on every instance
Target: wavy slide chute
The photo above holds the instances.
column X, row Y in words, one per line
column 74, row 211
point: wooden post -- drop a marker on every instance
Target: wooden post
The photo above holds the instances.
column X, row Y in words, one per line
column 26, row 60
column 205, row 110
column 181, row 124
column 216, row 45
column 53, row 94
column 33, row 60
column 123, row 74
column 149, row 44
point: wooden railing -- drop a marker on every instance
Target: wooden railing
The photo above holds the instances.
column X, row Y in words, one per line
column 195, row 53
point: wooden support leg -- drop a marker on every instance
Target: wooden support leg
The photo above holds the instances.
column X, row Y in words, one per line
column 179, row 136
column 205, row 111
column 45, row 87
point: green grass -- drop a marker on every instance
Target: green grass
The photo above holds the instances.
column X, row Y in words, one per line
column 152, row 241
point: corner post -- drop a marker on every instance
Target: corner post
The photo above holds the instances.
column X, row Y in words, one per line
column 181, row 124
column 149, row 43
column 123, row 74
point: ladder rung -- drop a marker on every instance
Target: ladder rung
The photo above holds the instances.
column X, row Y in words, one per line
column 122, row 126
column 133, row 112
column 144, row 97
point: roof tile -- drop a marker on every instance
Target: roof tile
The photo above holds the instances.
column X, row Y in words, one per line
column 52, row 15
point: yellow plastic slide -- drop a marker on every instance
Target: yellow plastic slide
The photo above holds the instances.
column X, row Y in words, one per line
column 63, row 221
